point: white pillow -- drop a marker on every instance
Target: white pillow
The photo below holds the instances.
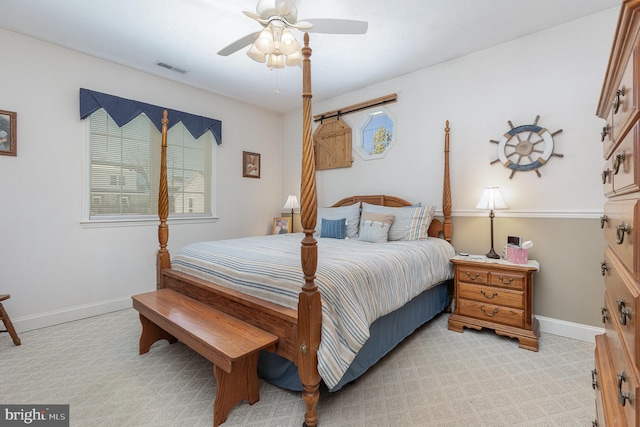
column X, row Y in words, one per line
column 410, row 223
column 350, row 213
column 374, row 227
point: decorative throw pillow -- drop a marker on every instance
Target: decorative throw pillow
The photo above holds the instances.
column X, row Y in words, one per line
column 374, row 228
column 334, row 228
column 350, row 213
column 411, row 223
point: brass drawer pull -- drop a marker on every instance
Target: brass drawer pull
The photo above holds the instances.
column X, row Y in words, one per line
column 495, row 294
column 495, row 311
column 474, row 277
column 624, row 312
column 605, row 132
column 605, row 174
column 603, row 220
column 620, row 230
column 619, row 159
column 505, row 281
column 603, row 268
column 605, row 314
column 616, row 100
column 594, row 379
column 622, row 397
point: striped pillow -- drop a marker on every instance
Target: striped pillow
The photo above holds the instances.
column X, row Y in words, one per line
column 334, row 228
column 374, row 228
column 411, row 223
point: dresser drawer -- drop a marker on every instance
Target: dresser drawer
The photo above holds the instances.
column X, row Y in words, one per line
column 604, row 382
column 624, row 105
column 488, row 294
column 491, row 313
column 622, row 165
column 621, row 232
column 621, row 299
column 625, row 376
column 472, row 275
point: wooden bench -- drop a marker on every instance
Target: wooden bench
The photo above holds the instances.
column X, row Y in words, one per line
column 229, row 343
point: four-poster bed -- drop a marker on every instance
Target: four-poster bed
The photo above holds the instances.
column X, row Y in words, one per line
column 299, row 328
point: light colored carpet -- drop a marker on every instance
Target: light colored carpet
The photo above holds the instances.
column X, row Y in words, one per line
column 434, row 378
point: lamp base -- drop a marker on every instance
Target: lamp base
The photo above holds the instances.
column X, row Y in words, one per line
column 492, row 254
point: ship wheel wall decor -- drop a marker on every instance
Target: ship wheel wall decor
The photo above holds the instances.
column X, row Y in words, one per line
column 519, row 153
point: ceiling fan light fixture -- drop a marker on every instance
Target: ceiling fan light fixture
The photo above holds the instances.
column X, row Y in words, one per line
column 288, row 43
column 264, row 42
column 275, row 61
column 294, row 59
column 255, row 54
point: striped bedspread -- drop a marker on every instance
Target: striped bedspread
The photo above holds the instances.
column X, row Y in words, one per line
column 359, row 281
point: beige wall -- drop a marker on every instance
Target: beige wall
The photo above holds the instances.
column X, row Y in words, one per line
column 569, row 285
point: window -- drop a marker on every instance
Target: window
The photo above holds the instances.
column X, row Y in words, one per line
column 376, row 134
column 124, row 173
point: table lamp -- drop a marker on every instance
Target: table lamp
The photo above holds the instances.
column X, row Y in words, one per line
column 491, row 200
column 291, row 203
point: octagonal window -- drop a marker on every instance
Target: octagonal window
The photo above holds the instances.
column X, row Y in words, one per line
column 376, row 134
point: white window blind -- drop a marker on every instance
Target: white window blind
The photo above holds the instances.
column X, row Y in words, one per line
column 125, row 162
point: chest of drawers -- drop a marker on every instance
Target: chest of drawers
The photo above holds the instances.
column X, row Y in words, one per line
column 616, row 375
column 495, row 294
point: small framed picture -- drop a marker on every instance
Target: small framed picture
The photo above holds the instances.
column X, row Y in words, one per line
column 8, row 137
column 280, row 225
column 250, row 165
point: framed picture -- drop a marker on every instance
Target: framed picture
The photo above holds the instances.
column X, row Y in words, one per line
column 280, row 225
column 250, row 165
column 8, row 138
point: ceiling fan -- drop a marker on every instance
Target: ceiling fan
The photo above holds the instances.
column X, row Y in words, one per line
column 276, row 41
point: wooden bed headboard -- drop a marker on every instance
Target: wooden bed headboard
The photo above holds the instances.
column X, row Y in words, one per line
column 436, row 228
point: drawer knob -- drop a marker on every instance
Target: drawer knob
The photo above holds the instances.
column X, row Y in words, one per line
column 605, row 174
column 474, row 277
column 605, row 314
column 620, row 230
column 605, row 132
column 603, row 267
column 505, row 281
column 493, row 313
column 495, row 294
column 622, row 397
column 594, row 378
column 617, row 161
column 617, row 100
column 603, row 220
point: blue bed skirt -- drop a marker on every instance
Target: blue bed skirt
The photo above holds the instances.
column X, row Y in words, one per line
column 385, row 334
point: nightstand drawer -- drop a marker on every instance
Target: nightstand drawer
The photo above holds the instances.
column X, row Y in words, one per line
column 496, row 296
column 470, row 275
column 492, row 313
column 509, row 280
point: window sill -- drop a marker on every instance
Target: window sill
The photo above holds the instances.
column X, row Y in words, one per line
column 145, row 221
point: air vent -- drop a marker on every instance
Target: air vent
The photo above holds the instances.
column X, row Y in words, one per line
column 171, row 67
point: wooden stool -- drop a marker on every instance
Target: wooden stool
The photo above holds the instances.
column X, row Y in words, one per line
column 7, row 322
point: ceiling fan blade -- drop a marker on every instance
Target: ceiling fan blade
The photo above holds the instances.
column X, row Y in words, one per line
column 337, row 26
column 254, row 16
column 239, row 44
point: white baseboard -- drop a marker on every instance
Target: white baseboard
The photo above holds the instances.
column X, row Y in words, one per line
column 29, row 323
column 548, row 325
column 563, row 328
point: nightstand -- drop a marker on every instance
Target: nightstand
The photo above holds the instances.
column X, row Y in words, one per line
column 495, row 294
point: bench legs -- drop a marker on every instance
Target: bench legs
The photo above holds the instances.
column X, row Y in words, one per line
column 7, row 324
column 241, row 384
column 152, row 333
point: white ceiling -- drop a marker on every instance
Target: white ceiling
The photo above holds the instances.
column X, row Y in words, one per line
column 403, row 36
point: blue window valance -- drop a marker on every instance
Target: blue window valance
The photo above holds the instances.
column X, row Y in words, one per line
column 123, row 110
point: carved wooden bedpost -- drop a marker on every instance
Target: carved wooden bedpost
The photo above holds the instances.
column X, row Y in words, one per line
column 309, row 303
column 447, row 227
column 163, row 260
